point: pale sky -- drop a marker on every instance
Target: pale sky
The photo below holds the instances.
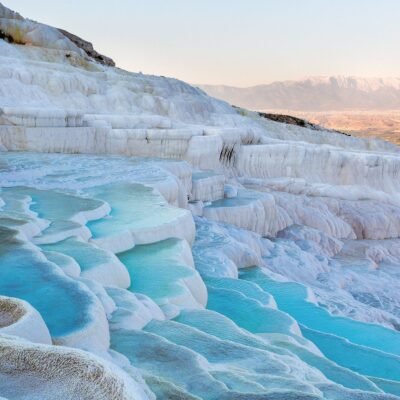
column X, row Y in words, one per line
column 234, row 42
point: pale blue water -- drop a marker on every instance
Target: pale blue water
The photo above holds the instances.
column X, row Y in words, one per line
column 387, row 386
column 52, row 205
column 133, row 207
column 64, row 227
column 239, row 308
column 156, row 269
column 241, row 334
column 365, row 348
column 202, row 174
column 247, row 308
column 243, row 198
column 245, row 359
column 220, row 326
column 85, row 254
column 247, row 288
column 169, row 362
column 291, row 297
column 365, row 360
column 61, row 260
column 62, row 302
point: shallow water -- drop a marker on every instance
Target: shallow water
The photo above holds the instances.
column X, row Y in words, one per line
column 369, row 349
column 209, row 336
column 65, row 305
column 158, row 270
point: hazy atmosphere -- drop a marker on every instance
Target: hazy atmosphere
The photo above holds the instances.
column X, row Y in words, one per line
column 232, row 42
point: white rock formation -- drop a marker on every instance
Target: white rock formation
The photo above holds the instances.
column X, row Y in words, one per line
column 46, row 372
column 20, row 319
column 102, row 253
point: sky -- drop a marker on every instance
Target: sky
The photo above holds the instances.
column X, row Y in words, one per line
column 234, row 42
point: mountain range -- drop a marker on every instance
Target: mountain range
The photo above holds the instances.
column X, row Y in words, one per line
column 334, row 93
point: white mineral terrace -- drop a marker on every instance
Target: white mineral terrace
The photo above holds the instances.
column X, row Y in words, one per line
column 176, row 247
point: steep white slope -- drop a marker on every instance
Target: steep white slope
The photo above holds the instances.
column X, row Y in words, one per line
column 53, row 98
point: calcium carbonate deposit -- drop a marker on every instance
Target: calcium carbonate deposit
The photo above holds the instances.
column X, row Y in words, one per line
column 158, row 243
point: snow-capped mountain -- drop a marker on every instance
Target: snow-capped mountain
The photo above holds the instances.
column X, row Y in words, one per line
column 336, row 93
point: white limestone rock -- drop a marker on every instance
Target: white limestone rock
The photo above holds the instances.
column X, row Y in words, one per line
column 19, row 318
column 41, row 372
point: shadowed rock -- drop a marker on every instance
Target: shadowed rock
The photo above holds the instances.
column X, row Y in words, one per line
column 87, row 47
column 288, row 119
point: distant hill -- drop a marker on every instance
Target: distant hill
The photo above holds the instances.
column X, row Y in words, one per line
column 315, row 94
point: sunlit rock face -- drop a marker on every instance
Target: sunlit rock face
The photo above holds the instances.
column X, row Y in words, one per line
column 178, row 248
